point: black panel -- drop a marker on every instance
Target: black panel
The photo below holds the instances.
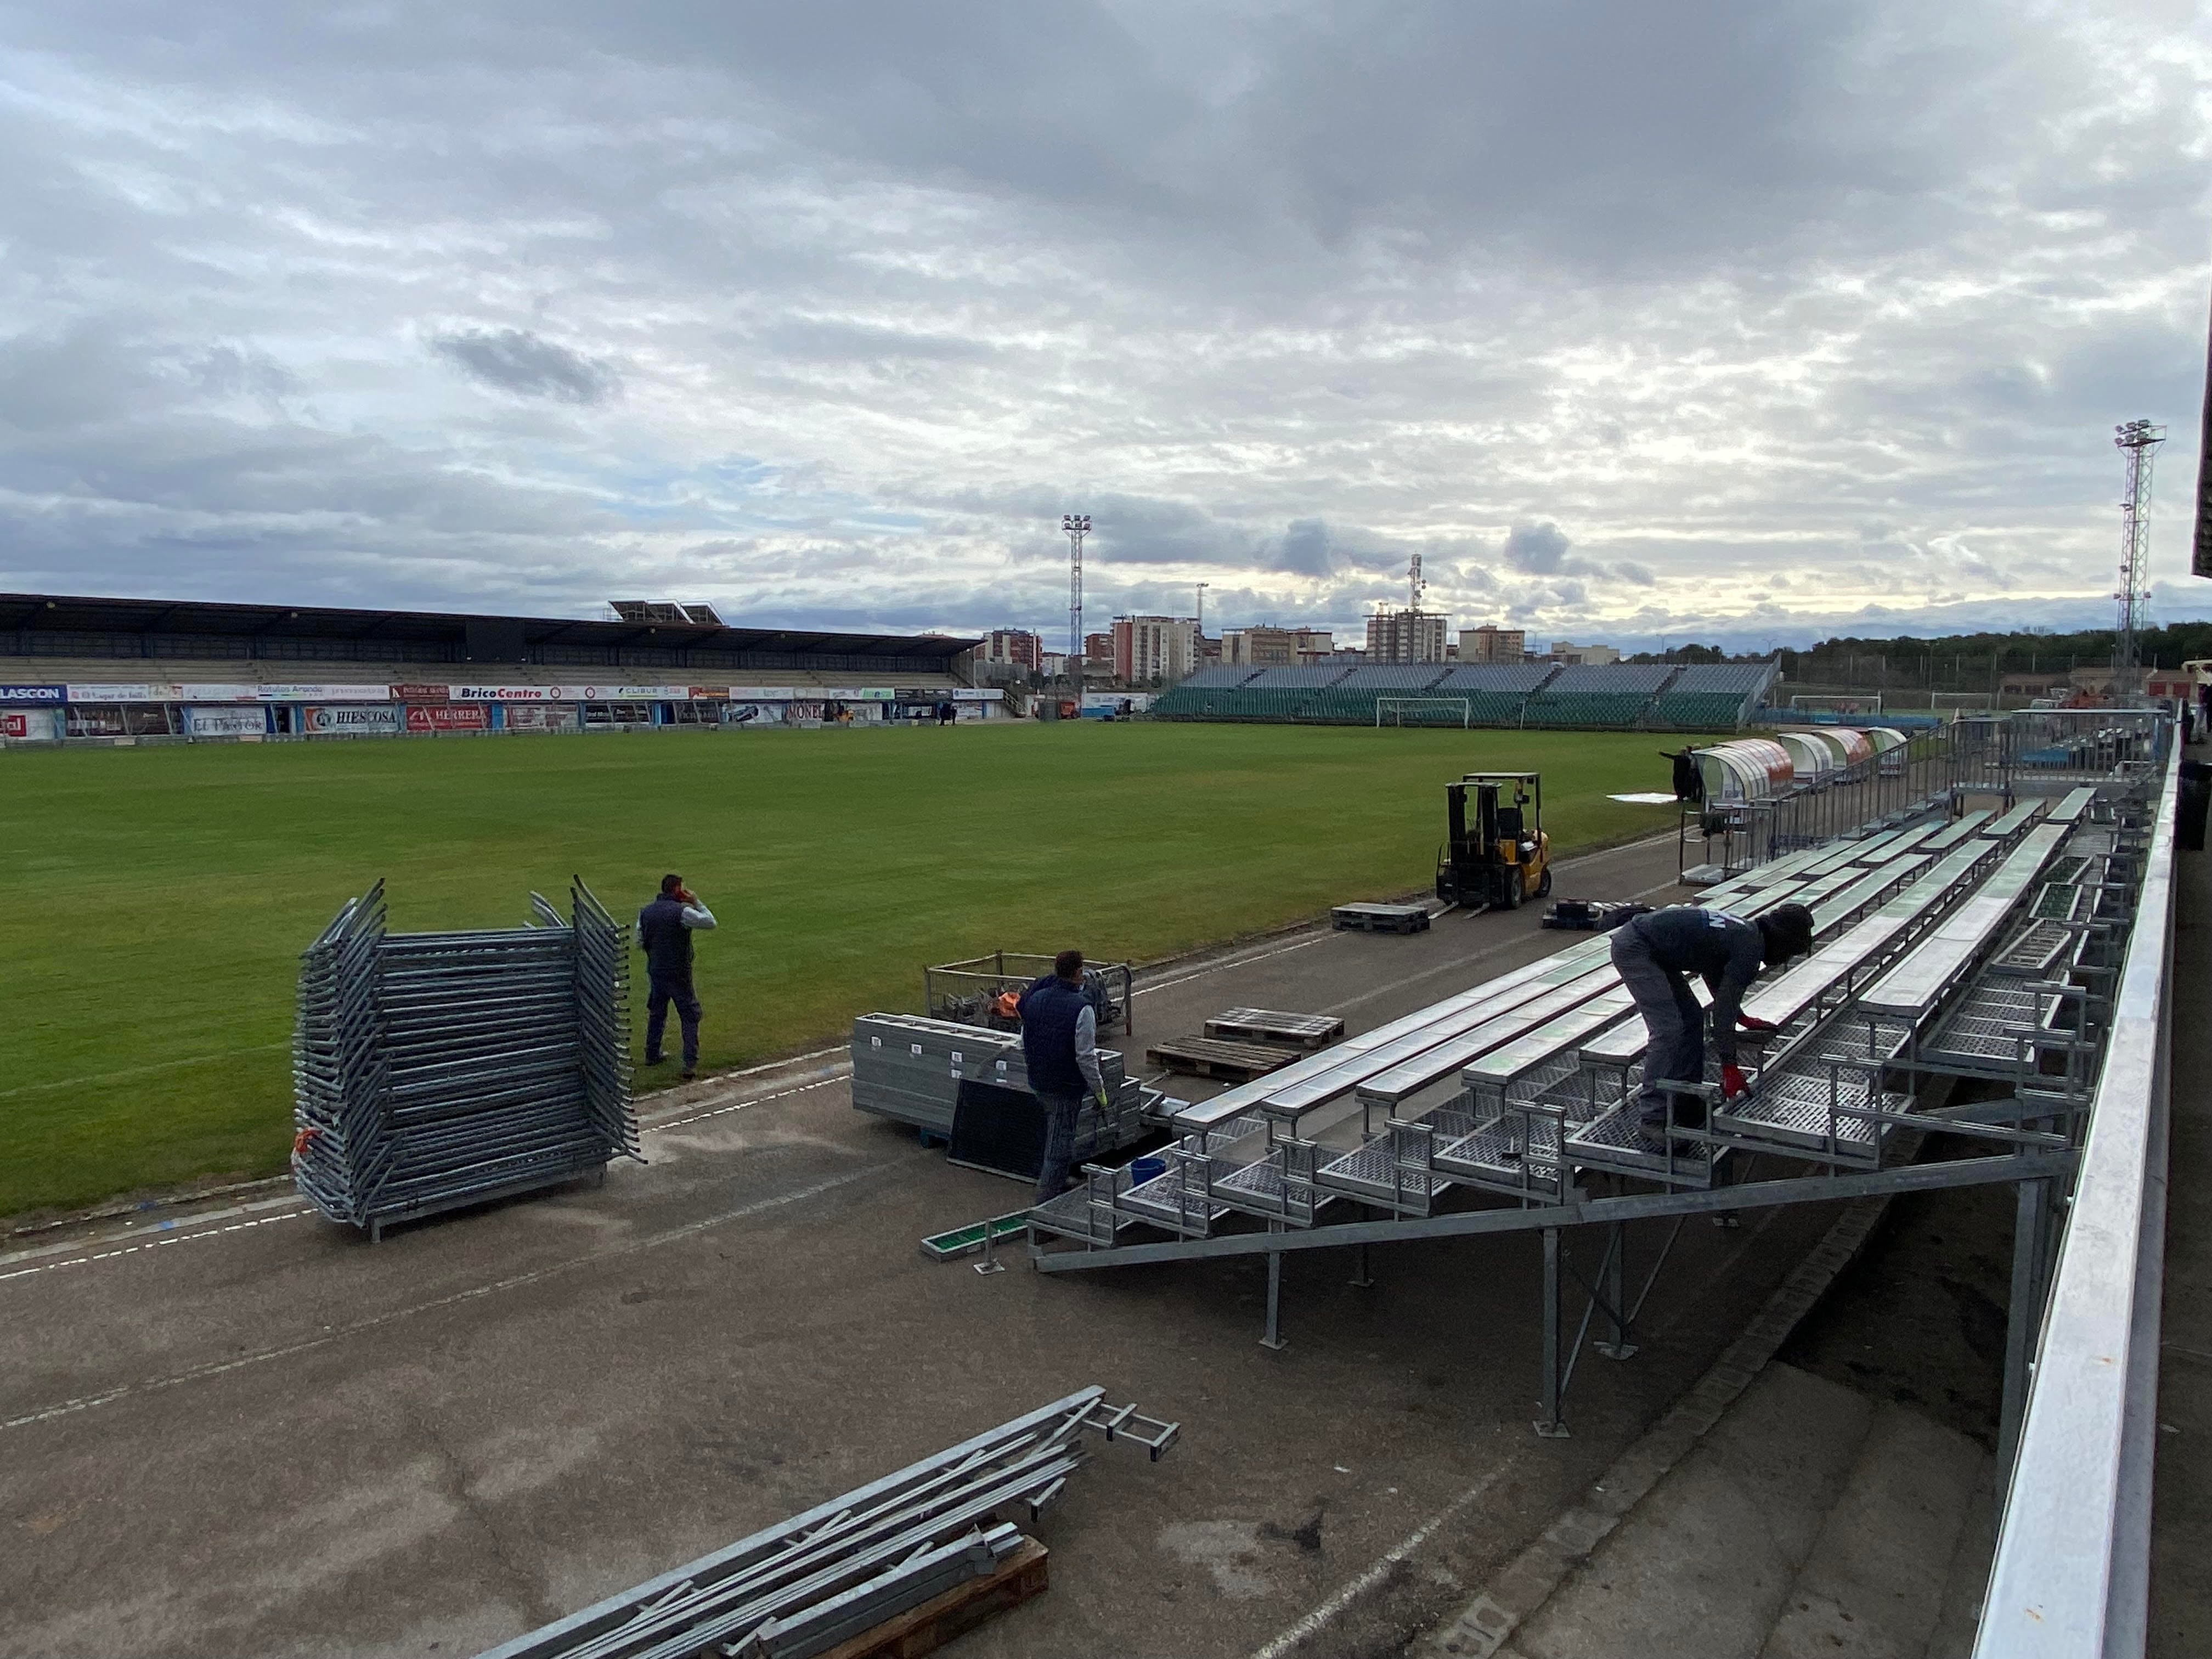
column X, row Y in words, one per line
column 999, row 1130
column 495, row 639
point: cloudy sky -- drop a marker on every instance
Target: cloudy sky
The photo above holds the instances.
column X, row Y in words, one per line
column 1745, row 321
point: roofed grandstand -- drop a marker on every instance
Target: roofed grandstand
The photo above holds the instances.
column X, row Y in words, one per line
column 1619, row 697
column 108, row 670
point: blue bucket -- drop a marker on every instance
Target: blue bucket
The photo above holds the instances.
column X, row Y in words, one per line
column 1142, row 1169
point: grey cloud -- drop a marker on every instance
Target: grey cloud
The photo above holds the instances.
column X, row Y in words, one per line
column 1538, row 549
column 887, row 300
column 517, row 360
column 1305, row 550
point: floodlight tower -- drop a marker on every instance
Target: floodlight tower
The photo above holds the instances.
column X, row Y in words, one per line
column 2138, row 441
column 1077, row 525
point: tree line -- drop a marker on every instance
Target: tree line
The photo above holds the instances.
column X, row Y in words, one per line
column 1968, row 662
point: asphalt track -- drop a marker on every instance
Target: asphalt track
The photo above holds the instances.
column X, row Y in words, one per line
column 245, row 1432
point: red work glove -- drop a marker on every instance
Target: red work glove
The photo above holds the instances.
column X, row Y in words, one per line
column 1751, row 1023
column 1732, row 1083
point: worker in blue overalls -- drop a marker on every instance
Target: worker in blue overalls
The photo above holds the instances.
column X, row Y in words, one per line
column 1655, row 952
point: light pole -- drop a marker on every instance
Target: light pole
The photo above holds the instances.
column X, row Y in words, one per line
column 1077, row 525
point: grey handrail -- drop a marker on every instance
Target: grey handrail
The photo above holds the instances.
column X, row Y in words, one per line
column 2072, row 1576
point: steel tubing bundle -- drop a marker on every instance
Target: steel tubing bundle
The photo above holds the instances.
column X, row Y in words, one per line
column 432, row 1070
column 806, row 1584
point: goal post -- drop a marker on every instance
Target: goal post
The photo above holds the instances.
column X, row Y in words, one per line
column 1857, row 702
column 1426, row 711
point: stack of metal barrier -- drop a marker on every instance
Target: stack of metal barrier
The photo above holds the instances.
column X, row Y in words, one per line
column 843, row 1567
column 910, row 1068
column 434, row 1070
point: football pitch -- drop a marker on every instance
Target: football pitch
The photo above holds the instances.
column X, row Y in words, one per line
column 153, row 902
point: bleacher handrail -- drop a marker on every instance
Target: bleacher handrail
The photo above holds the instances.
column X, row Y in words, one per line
column 2071, row 1576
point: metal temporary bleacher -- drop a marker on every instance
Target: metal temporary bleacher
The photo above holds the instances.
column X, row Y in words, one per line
column 1525, row 1087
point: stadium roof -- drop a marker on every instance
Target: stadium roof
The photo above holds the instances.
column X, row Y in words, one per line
column 64, row 613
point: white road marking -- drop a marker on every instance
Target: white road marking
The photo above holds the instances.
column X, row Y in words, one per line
column 336, row 1333
column 1375, row 1575
column 757, row 1100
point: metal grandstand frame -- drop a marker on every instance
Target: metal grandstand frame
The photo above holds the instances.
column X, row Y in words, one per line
column 1397, row 705
column 2034, row 1136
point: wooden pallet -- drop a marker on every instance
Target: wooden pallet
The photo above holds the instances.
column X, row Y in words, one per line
column 1273, row 1026
column 1239, row 1062
column 1020, row 1577
column 1381, row 918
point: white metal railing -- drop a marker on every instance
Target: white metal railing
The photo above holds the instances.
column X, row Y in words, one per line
column 2071, row 1579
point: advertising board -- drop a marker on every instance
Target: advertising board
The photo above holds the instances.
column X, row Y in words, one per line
column 225, row 721
column 441, row 717
column 113, row 720
column 32, row 696
column 539, row 717
column 193, row 693
column 356, row 720
column 131, row 693
column 347, row 692
column 40, row 724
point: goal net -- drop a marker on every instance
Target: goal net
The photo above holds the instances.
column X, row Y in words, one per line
column 1857, row 702
column 1960, row 699
column 1423, row 711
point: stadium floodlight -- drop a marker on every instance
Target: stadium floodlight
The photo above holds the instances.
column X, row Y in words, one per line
column 1076, row 527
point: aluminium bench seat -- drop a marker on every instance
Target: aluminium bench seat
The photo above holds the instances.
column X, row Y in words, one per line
column 1965, row 828
column 1404, row 1073
column 1201, row 1116
column 1476, row 1029
column 2073, row 806
column 1919, row 980
column 2015, row 821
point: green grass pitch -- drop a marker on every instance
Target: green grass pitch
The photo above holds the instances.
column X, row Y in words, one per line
column 153, row 902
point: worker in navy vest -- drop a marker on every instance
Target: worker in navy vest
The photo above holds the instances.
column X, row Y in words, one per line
column 664, row 933
column 1059, row 1044
column 1654, row 953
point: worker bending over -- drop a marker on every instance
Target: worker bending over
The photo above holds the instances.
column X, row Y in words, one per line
column 1654, row 952
column 1060, row 1045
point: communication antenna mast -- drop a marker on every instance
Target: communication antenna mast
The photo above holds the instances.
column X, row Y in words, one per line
column 2138, row 441
column 1077, row 527
column 1413, row 580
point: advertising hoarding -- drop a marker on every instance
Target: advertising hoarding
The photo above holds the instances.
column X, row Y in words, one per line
column 359, row 719
column 538, row 717
column 32, row 696
column 341, row 693
column 455, row 717
column 119, row 693
column 225, row 721
column 39, row 725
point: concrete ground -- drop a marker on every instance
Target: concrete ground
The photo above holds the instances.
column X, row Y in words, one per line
column 251, row 1433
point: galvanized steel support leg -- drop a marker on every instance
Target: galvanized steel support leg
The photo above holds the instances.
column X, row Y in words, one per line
column 1274, row 1336
column 1361, row 1281
column 1612, row 1277
column 1551, row 1424
column 2025, row 1316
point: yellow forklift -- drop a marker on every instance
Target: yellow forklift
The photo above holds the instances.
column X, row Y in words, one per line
column 1497, row 853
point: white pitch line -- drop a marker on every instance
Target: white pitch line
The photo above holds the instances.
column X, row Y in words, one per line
column 758, row 1100
column 1375, row 1575
column 674, row 1235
